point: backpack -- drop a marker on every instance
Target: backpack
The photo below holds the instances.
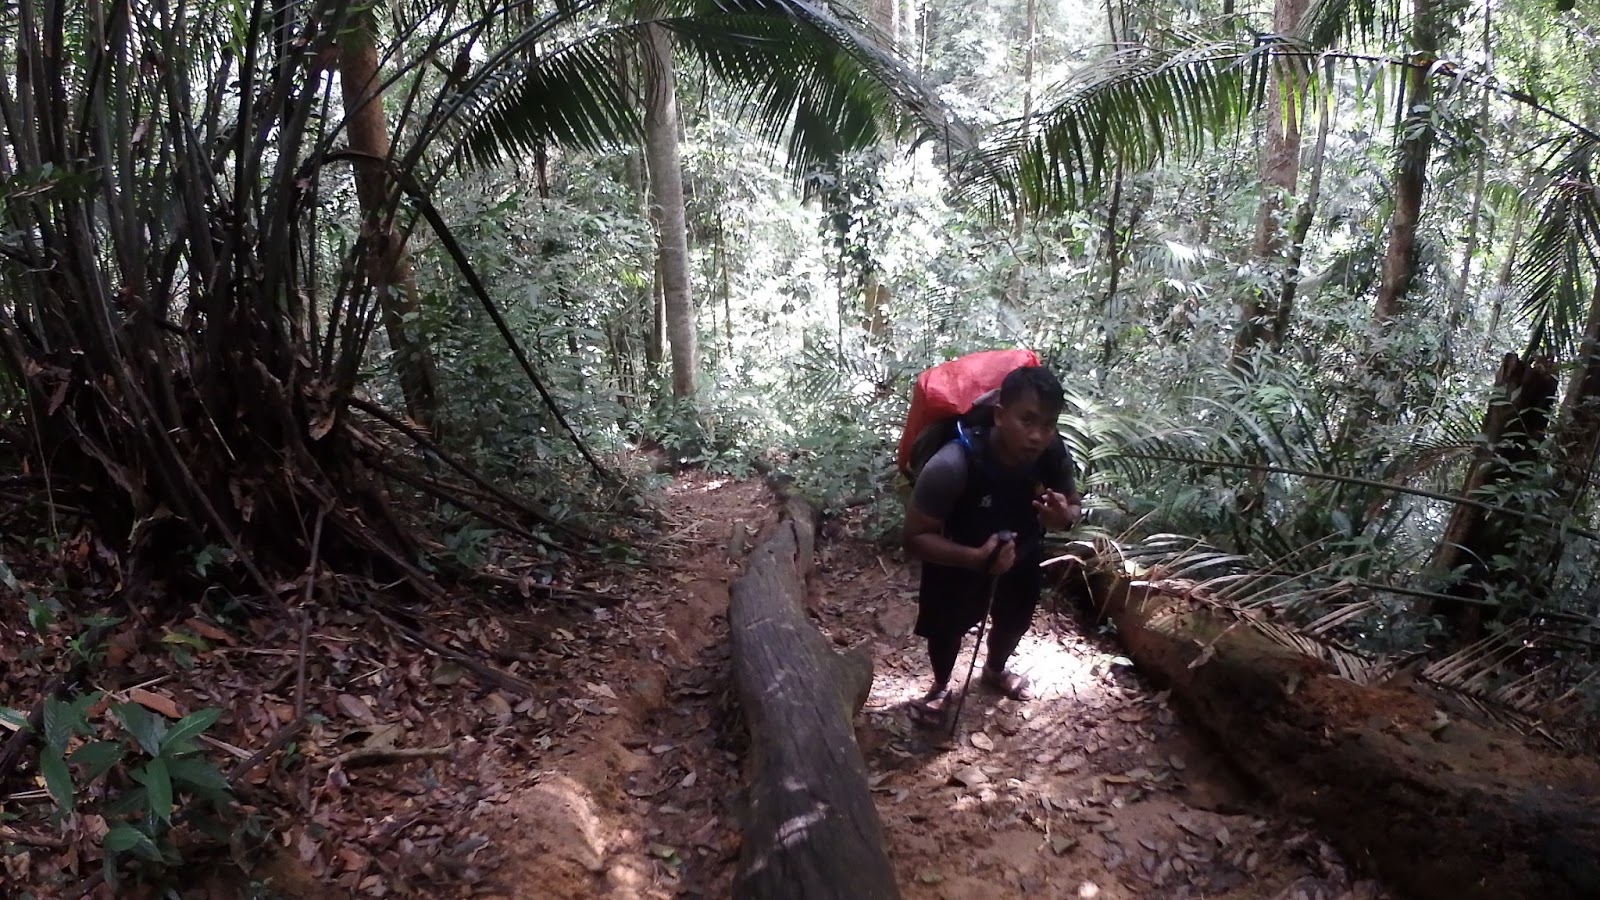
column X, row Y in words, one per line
column 951, row 398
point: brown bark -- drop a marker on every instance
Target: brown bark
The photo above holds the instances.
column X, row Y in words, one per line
column 388, row 264
column 812, row 830
column 1303, row 217
column 1280, row 171
column 1514, row 426
column 666, row 195
column 885, row 16
column 1411, row 175
column 1436, row 806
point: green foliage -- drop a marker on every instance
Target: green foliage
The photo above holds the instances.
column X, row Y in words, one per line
column 132, row 746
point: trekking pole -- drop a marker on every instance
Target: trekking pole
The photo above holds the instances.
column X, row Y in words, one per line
column 1006, row 537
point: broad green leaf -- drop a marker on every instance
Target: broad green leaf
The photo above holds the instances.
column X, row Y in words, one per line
column 123, row 838
column 58, row 724
column 158, row 782
column 97, row 758
column 13, row 718
column 186, row 729
column 145, row 726
column 200, row 777
column 56, row 777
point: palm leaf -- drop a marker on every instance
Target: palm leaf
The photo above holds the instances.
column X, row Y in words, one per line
column 1562, row 262
column 1328, row 23
column 805, row 77
column 1134, row 109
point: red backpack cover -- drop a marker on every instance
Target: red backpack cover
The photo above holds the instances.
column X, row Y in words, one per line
column 947, row 390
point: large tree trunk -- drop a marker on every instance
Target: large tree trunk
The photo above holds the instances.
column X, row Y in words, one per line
column 1280, row 170
column 1411, row 175
column 1513, row 427
column 666, row 195
column 1436, row 806
column 812, row 830
column 389, row 270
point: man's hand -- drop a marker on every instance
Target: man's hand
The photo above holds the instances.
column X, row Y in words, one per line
column 1002, row 551
column 1057, row 511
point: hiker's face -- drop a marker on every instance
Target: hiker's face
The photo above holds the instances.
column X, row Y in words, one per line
column 1022, row 429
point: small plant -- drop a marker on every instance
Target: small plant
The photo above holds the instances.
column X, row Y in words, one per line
column 133, row 769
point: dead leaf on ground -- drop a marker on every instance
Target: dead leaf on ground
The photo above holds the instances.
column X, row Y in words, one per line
column 1061, row 843
column 602, row 690
column 982, row 741
column 356, row 708
column 156, row 702
column 447, row 674
column 498, row 706
column 971, row 776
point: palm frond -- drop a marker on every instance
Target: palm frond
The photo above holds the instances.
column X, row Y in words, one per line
column 1562, row 262
column 1328, row 23
column 573, row 96
column 816, row 72
column 806, row 78
column 1134, row 109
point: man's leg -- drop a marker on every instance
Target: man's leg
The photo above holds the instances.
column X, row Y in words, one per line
column 1014, row 603
column 942, row 653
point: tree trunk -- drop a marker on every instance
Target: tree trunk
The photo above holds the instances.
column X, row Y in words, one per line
column 1436, row 806
column 812, row 830
column 1014, row 291
column 1303, row 217
column 1280, row 170
column 885, row 16
column 666, row 196
column 1411, row 175
column 1513, row 427
column 388, row 265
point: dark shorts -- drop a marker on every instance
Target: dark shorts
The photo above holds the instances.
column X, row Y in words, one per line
column 951, row 601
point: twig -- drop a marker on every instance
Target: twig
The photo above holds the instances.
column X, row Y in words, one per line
column 499, row 678
column 305, row 637
column 371, row 756
column 49, row 842
column 88, row 885
column 439, row 492
column 384, row 416
column 284, row 735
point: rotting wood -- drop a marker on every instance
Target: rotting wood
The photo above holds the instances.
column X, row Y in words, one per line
column 811, row 829
column 1439, row 808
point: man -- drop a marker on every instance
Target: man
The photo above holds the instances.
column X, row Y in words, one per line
column 1013, row 476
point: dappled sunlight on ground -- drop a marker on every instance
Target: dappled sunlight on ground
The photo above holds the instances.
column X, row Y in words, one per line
column 1090, row 789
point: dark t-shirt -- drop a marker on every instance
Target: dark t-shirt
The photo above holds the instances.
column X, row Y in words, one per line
column 944, row 477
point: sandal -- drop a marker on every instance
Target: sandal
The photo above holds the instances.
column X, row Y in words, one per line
column 929, row 711
column 1010, row 684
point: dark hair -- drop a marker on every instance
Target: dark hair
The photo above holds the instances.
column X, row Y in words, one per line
column 1036, row 380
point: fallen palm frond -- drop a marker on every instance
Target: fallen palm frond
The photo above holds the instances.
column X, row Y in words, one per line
column 1318, row 616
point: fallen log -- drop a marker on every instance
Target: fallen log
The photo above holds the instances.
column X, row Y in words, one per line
column 1438, row 807
column 811, row 829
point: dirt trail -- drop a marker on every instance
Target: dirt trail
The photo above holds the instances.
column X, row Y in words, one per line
column 619, row 773
column 1092, row 790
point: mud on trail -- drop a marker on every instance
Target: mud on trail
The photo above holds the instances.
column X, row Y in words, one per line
column 614, row 769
